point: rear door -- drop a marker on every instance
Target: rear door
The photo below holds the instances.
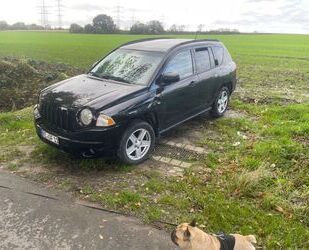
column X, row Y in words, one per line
column 207, row 74
column 221, row 71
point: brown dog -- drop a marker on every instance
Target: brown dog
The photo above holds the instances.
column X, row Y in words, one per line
column 189, row 237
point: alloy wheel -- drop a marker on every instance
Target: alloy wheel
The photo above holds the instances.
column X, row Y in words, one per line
column 138, row 144
column 222, row 101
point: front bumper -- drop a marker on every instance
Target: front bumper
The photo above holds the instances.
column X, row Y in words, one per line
column 87, row 142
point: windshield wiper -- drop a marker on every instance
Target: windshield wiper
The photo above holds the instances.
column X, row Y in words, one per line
column 107, row 77
column 95, row 74
column 116, row 78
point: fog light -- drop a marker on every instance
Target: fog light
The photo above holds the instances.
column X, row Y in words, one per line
column 86, row 116
column 36, row 112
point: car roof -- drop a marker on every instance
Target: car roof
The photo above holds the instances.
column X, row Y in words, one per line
column 162, row 44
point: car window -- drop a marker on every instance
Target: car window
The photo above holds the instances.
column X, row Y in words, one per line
column 202, row 60
column 131, row 66
column 227, row 56
column 218, row 53
column 181, row 64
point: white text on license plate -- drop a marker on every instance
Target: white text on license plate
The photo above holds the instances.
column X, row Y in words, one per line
column 50, row 137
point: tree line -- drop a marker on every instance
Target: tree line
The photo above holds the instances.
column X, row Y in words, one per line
column 104, row 24
column 19, row 26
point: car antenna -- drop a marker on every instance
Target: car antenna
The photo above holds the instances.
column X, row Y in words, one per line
column 196, row 33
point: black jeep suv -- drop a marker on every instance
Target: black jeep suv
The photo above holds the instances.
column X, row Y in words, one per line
column 134, row 94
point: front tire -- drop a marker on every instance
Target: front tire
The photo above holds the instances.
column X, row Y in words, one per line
column 220, row 105
column 136, row 143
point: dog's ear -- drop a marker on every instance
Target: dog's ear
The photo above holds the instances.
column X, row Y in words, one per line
column 193, row 223
column 187, row 234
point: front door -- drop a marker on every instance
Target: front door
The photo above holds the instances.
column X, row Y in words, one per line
column 178, row 100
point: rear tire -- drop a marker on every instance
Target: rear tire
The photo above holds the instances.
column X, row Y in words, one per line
column 136, row 143
column 220, row 105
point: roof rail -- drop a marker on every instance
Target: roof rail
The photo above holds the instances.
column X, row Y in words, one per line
column 157, row 38
column 199, row 40
column 194, row 41
column 209, row 40
column 173, row 47
column 144, row 40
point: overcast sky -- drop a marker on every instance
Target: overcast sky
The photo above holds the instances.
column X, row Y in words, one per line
column 280, row 16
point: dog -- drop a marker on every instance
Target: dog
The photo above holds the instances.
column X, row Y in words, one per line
column 189, row 237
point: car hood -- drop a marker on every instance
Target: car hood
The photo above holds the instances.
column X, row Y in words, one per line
column 84, row 90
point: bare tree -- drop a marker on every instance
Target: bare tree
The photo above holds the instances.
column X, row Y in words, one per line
column 200, row 27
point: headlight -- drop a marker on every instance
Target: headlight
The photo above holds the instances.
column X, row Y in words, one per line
column 105, row 121
column 86, row 116
column 36, row 112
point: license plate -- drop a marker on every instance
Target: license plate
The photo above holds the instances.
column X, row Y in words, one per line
column 50, row 137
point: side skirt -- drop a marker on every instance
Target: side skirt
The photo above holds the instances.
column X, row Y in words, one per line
column 178, row 123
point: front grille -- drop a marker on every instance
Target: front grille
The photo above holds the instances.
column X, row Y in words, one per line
column 56, row 116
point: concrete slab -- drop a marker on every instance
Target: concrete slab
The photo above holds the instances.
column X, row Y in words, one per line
column 31, row 220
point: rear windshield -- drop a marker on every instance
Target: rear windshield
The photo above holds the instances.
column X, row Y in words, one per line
column 129, row 66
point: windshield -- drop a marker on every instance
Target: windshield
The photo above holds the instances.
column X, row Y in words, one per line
column 130, row 66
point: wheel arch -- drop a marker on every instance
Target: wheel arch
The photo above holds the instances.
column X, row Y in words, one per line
column 229, row 85
column 149, row 117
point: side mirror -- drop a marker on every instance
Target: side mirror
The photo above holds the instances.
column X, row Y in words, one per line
column 169, row 77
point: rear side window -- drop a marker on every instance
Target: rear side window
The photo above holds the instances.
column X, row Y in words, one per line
column 181, row 64
column 227, row 56
column 218, row 54
column 202, row 59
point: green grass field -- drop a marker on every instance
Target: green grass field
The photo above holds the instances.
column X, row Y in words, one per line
column 260, row 186
column 81, row 50
column 284, row 58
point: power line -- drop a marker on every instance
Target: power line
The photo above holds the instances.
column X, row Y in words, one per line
column 118, row 13
column 162, row 20
column 59, row 7
column 44, row 15
column 118, row 10
column 133, row 16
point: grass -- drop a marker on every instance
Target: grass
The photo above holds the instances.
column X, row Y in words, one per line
column 278, row 63
column 82, row 50
column 255, row 179
column 22, row 79
column 19, row 123
column 260, row 186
